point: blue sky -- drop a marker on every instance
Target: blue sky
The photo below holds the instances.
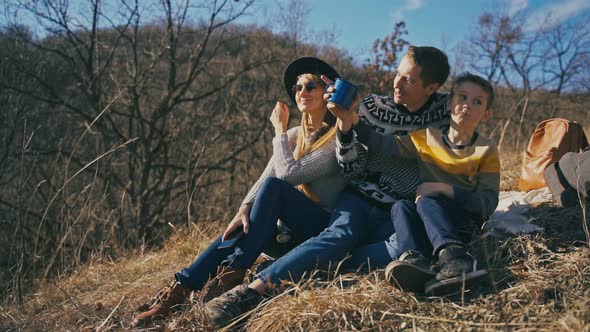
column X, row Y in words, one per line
column 440, row 23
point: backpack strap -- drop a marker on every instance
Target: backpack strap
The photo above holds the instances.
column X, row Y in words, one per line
column 584, row 141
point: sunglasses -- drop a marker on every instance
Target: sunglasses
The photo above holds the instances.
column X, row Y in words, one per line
column 308, row 87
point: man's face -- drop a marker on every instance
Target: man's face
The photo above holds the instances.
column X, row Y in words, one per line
column 409, row 89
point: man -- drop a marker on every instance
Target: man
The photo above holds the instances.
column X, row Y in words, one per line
column 361, row 218
column 376, row 180
column 569, row 178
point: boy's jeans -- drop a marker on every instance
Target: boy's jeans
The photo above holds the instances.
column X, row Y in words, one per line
column 276, row 199
column 428, row 225
column 356, row 227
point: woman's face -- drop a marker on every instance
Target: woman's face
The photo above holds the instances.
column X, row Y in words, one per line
column 309, row 96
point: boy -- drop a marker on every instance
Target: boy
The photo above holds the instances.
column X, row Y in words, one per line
column 460, row 170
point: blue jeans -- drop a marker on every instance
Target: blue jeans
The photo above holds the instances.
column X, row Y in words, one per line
column 356, row 227
column 429, row 225
column 276, row 199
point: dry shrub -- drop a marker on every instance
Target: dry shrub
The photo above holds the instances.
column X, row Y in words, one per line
column 539, row 282
column 511, row 169
column 86, row 298
column 536, row 283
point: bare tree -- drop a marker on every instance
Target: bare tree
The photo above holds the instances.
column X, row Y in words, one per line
column 489, row 44
column 568, row 46
column 525, row 60
column 382, row 67
column 145, row 111
column 292, row 19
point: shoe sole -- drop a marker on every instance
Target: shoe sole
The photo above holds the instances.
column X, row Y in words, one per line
column 408, row 277
column 454, row 285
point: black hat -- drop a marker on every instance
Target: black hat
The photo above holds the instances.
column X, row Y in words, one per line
column 306, row 65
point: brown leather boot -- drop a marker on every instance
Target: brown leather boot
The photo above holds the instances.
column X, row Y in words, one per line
column 226, row 279
column 162, row 304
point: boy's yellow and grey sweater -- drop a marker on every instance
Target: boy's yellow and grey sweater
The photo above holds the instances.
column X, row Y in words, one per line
column 472, row 169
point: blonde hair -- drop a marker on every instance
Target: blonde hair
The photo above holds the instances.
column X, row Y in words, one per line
column 326, row 133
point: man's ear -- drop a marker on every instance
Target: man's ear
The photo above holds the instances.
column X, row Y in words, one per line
column 432, row 88
column 486, row 114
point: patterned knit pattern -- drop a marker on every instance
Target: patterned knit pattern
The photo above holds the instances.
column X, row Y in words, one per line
column 385, row 179
column 318, row 168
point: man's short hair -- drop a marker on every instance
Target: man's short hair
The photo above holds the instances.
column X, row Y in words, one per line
column 434, row 63
column 477, row 80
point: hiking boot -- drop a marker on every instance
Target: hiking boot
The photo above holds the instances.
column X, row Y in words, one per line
column 226, row 279
column 458, row 271
column 162, row 304
column 410, row 272
column 232, row 305
column 262, row 262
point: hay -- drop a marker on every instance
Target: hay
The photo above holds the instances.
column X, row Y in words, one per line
column 539, row 283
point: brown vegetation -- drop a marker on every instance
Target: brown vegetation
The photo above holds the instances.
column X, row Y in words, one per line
column 128, row 145
column 538, row 283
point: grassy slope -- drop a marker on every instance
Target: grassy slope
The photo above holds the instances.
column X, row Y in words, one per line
column 539, row 283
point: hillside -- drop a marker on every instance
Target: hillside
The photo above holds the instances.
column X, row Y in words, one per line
column 130, row 135
column 539, row 283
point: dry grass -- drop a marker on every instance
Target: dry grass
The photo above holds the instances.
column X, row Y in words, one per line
column 511, row 169
column 539, row 283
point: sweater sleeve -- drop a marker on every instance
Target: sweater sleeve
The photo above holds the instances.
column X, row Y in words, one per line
column 309, row 167
column 388, row 145
column 482, row 201
column 351, row 155
column 268, row 171
column 376, row 143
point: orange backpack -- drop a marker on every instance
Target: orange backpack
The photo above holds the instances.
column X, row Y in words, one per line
column 550, row 141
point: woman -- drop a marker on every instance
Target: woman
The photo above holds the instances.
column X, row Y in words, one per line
column 303, row 156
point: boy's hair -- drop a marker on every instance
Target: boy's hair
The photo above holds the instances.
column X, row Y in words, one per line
column 478, row 80
column 434, row 63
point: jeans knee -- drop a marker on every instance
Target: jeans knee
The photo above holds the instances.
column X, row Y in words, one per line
column 338, row 236
column 272, row 185
column 428, row 202
column 402, row 207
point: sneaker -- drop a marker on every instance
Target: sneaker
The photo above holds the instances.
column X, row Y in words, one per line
column 458, row 271
column 410, row 272
column 226, row 279
column 232, row 305
column 162, row 304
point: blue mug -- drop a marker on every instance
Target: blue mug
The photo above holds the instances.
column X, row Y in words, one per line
column 344, row 93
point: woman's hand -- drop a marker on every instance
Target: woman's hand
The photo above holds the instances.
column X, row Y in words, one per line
column 280, row 118
column 241, row 219
column 434, row 189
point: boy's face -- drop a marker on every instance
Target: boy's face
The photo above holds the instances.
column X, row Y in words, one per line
column 469, row 105
column 409, row 89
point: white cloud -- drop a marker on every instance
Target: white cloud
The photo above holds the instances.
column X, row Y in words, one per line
column 553, row 14
column 410, row 5
column 414, row 4
column 514, row 6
